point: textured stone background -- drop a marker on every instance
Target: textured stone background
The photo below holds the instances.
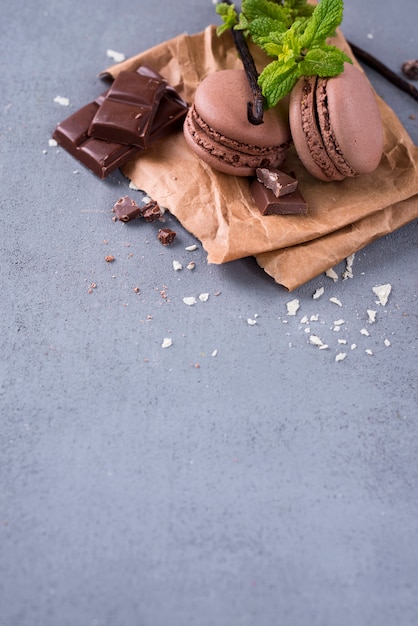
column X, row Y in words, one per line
column 240, row 477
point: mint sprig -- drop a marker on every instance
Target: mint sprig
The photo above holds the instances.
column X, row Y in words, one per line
column 292, row 32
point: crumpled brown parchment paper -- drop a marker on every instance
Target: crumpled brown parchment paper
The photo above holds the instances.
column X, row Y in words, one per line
column 343, row 217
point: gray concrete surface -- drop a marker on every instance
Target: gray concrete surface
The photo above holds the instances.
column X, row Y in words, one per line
column 263, row 484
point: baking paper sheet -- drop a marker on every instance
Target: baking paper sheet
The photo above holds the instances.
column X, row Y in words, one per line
column 218, row 209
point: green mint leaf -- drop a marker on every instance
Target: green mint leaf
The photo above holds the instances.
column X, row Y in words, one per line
column 253, row 9
column 229, row 16
column 277, row 80
column 325, row 62
column 328, row 14
column 265, row 31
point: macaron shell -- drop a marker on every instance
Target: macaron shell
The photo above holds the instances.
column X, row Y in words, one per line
column 221, row 100
column 354, row 121
column 306, row 134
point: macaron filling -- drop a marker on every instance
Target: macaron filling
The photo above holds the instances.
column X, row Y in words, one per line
column 311, row 128
column 327, row 133
column 231, row 151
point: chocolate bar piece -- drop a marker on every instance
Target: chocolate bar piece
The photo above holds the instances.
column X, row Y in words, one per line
column 101, row 157
column 276, row 180
column 127, row 113
column 127, row 209
column 152, row 211
column 166, row 236
column 268, row 204
column 172, row 109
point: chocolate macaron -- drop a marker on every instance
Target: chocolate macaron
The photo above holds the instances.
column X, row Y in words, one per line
column 218, row 131
column 336, row 125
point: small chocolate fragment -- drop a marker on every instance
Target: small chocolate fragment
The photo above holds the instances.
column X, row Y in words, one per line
column 166, row 236
column 410, row 69
column 267, row 203
column 101, row 157
column 151, row 211
column 128, row 110
column 276, row 180
column 127, row 209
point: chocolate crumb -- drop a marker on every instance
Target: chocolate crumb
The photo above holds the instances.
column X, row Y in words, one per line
column 410, row 69
column 126, row 209
column 166, row 236
column 151, row 211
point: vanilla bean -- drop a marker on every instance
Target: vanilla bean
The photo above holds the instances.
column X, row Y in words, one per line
column 384, row 71
column 255, row 109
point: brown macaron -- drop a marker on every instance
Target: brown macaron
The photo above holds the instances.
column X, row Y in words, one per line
column 336, row 125
column 218, row 131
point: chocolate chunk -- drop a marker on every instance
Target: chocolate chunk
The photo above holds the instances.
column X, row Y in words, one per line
column 101, row 157
column 127, row 209
column 410, row 69
column 172, row 109
column 166, row 236
column 269, row 204
column 276, row 180
column 151, row 211
column 128, row 110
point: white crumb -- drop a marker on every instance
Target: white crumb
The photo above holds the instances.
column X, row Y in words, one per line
column 292, row 306
column 204, row 297
column 167, row 342
column 369, row 352
column 52, row 143
column 331, row 273
column 191, row 265
column 342, row 341
column 177, row 266
column 116, row 56
column 339, row 322
column 336, row 329
column 353, row 346
column 304, row 320
column 317, row 341
column 251, row 322
column 371, row 315
column 335, row 301
column 340, row 356
column 65, row 102
column 307, row 330
column 365, row 332
column 214, row 352
column 383, row 293
column 189, row 300
column 348, row 273
column 191, row 248
column 314, row 318
column 318, row 293
column 387, row 343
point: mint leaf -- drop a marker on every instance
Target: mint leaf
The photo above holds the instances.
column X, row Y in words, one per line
column 325, row 62
column 294, row 34
column 229, row 16
column 328, row 14
column 276, row 81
